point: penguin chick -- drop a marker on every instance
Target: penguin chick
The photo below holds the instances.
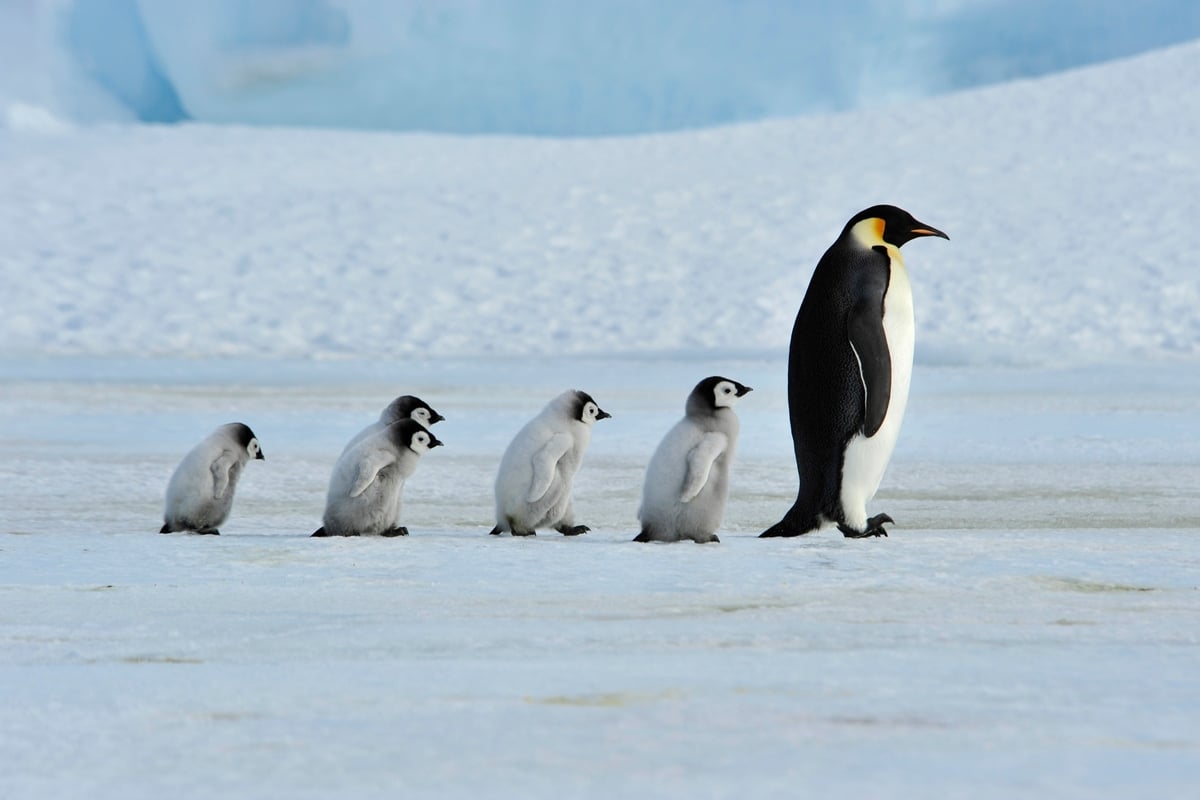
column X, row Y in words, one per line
column 368, row 479
column 533, row 486
column 849, row 369
column 200, row 493
column 404, row 407
column 687, row 480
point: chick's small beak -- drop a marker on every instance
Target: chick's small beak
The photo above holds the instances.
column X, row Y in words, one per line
column 602, row 414
column 436, row 418
column 742, row 391
column 260, row 456
column 435, row 442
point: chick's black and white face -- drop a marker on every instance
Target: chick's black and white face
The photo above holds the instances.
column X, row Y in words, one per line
column 725, row 394
column 421, row 441
column 422, row 415
column 253, row 449
column 590, row 413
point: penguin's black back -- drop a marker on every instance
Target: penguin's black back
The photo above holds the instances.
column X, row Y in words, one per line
column 825, row 390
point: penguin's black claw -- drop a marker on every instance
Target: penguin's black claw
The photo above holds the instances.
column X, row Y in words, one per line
column 572, row 530
column 398, row 531
column 874, row 528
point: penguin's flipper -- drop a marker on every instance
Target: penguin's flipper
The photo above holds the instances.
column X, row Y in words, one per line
column 869, row 343
column 699, row 464
column 220, row 472
column 545, row 462
column 368, row 469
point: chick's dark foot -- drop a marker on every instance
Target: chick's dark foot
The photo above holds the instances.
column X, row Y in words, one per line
column 874, row 528
column 572, row 530
column 398, row 531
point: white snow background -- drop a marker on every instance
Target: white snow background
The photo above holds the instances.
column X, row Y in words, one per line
column 1029, row 629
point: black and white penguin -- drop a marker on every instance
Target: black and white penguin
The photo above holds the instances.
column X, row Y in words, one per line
column 849, row 369
column 537, row 472
column 404, row 407
column 687, row 480
column 200, row 493
column 367, row 481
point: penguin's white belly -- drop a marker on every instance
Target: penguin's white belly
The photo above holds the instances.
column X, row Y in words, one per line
column 866, row 459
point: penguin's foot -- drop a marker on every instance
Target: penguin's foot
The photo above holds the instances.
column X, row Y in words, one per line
column 319, row 532
column 523, row 533
column 874, row 528
column 209, row 532
column 397, row 531
column 166, row 529
column 572, row 530
column 496, row 531
column 644, row 536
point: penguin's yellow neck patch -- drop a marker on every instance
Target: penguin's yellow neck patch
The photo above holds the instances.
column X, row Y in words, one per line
column 869, row 232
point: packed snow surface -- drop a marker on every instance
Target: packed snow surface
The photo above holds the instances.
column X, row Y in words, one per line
column 1067, row 199
column 1027, row 630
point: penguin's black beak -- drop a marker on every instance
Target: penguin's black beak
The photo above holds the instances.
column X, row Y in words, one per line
column 742, row 391
column 602, row 414
column 435, row 442
column 260, row 456
column 435, row 417
column 921, row 229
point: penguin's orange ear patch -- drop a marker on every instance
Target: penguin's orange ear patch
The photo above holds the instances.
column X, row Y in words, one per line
column 879, row 225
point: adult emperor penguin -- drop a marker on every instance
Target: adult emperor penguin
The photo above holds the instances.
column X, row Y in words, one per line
column 200, row 493
column 404, row 407
column 848, row 373
column 365, row 488
column 687, row 481
column 533, row 486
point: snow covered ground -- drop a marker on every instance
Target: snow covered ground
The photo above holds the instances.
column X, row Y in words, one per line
column 1028, row 630
column 1067, row 201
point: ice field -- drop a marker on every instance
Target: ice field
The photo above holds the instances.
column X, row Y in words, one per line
column 1029, row 628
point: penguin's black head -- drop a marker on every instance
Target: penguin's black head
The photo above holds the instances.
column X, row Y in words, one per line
column 413, row 435
column 715, row 392
column 411, row 407
column 895, row 226
column 586, row 410
column 246, row 439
